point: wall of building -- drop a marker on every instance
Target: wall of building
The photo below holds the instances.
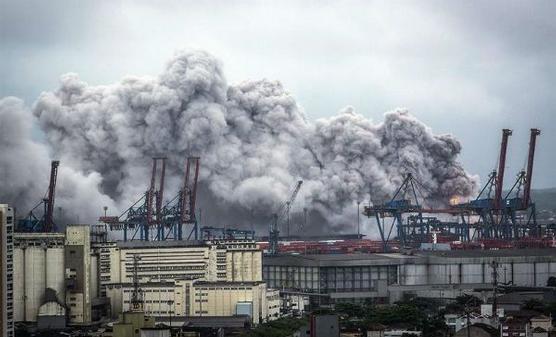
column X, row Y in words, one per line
column 221, row 299
column 191, row 298
column 38, row 264
column 273, row 302
column 329, row 279
column 324, row 326
column 243, row 261
column 35, row 280
column 78, row 273
column 158, row 262
column 166, row 262
column 439, row 274
column 456, row 271
column 6, row 271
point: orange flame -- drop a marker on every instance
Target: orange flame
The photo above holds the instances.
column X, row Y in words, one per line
column 455, row 200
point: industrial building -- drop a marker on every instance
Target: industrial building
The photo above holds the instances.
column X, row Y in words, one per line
column 184, row 298
column 233, row 261
column 38, row 265
column 168, row 268
column 387, row 277
column 6, row 271
column 186, row 278
column 64, row 274
column 78, row 273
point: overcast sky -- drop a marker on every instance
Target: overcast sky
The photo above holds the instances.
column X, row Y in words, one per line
column 469, row 68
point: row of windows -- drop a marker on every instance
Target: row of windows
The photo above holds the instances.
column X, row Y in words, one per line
column 153, row 291
column 162, row 268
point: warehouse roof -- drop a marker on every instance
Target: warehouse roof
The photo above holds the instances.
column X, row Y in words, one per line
column 491, row 253
column 238, row 321
column 325, row 260
column 333, row 260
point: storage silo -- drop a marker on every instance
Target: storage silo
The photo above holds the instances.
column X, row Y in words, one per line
column 35, row 281
column 55, row 271
column 19, row 284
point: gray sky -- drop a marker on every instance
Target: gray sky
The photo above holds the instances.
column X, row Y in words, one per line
column 466, row 68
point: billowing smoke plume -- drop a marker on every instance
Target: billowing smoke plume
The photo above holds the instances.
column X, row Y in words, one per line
column 253, row 140
column 25, row 168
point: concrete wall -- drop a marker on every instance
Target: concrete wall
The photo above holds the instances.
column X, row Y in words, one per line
column 78, row 273
column 530, row 273
column 442, row 275
column 190, row 299
column 325, row 326
column 6, row 271
column 35, row 281
column 244, row 265
column 38, row 264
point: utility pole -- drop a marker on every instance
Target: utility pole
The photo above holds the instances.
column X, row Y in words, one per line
column 468, row 324
column 494, row 266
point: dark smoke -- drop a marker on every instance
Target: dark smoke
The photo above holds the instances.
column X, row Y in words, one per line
column 253, row 140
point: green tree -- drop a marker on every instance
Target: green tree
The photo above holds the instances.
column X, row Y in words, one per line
column 352, row 310
column 534, row 304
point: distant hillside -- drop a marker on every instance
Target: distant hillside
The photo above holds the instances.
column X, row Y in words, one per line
column 544, row 198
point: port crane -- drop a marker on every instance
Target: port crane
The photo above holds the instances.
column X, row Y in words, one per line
column 497, row 214
column 283, row 210
column 33, row 223
column 180, row 210
column 150, row 211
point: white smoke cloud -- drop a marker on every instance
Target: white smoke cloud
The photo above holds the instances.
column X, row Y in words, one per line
column 25, row 169
column 253, row 139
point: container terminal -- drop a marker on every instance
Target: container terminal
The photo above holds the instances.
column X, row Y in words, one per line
column 156, row 259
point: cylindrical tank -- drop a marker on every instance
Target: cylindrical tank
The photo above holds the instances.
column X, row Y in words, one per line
column 94, row 277
column 19, row 284
column 55, row 271
column 35, row 281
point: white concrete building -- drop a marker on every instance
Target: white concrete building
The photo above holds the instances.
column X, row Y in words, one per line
column 390, row 276
column 6, row 271
column 226, row 274
column 184, row 298
column 78, row 273
column 38, row 265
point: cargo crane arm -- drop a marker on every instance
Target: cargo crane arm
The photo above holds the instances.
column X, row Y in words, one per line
column 282, row 211
column 31, row 223
column 49, row 202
